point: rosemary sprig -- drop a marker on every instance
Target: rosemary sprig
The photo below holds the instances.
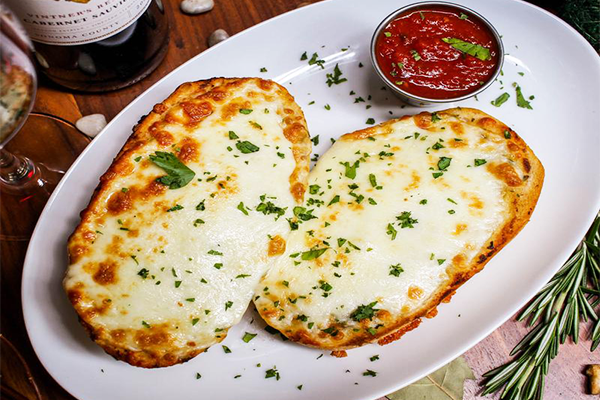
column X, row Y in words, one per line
column 570, row 297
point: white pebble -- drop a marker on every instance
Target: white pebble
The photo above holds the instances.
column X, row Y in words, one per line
column 216, row 37
column 196, row 6
column 91, row 125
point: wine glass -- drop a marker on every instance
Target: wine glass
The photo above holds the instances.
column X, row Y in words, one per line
column 32, row 163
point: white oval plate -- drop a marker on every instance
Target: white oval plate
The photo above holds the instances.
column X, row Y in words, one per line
column 561, row 70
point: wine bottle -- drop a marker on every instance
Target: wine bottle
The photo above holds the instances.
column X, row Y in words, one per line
column 95, row 45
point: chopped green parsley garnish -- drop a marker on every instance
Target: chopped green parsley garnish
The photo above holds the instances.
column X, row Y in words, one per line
column 336, row 199
column 134, row 258
column 415, row 55
column 391, row 231
column 479, row 161
column 313, row 254
column 228, row 305
column 255, row 125
column 245, row 111
column 364, row 312
column 500, row 99
column 424, row 201
column 405, row 220
column 197, row 222
column 145, row 324
column 233, row 136
column 315, row 60
column 507, row 135
column 335, row 78
column 327, row 107
column 396, row 270
column 248, row 336
column 176, row 207
column 304, row 56
column 463, row 16
column 263, row 69
column 315, row 140
column 350, row 169
column 218, row 265
column 370, row 373
column 194, row 322
column 177, row 284
column 370, row 121
column 521, row 102
column 272, row 373
column 143, row 273
column 226, row 349
column 387, row 34
column 374, row 358
column 242, row 208
column 444, row 163
column 247, row 147
column 435, row 117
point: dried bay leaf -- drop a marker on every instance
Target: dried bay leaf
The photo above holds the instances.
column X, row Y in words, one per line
column 447, row 383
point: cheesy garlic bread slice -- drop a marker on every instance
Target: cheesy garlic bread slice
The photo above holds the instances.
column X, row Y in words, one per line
column 397, row 217
column 176, row 236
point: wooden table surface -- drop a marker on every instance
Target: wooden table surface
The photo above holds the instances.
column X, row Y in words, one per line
column 188, row 38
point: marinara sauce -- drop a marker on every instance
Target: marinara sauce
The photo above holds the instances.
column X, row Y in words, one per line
column 411, row 53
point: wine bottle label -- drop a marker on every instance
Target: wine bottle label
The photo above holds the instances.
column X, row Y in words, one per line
column 75, row 22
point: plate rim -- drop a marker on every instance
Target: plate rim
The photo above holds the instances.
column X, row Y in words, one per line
column 500, row 319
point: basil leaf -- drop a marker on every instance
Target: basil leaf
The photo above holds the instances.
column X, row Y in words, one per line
column 178, row 174
column 471, row 49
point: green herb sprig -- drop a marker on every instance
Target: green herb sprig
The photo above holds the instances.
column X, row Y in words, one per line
column 557, row 310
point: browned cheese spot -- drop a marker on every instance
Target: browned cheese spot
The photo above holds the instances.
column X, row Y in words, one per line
column 233, row 108
column 75, row 295
column 106, row 273
column 159, row 108
column 457, row 144
column 416, row 179
column 265, row 85
column 295, row 132
column 118, row 335
column 460, row 228
column 276, row 246
column 526, row 165
column 415, row 292
column 152, row 337
column 459, row 260
column 339, row 353
column 153, row 189
column 506, row 173
column 457, row 128
column 119, row 202
column 423, row 120
column 77, row 251
column 163, row 138
column 189, row 150
column 196, row 111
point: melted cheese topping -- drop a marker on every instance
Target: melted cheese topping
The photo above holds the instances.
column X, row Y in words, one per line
column 184, row 263
column 421, row 202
